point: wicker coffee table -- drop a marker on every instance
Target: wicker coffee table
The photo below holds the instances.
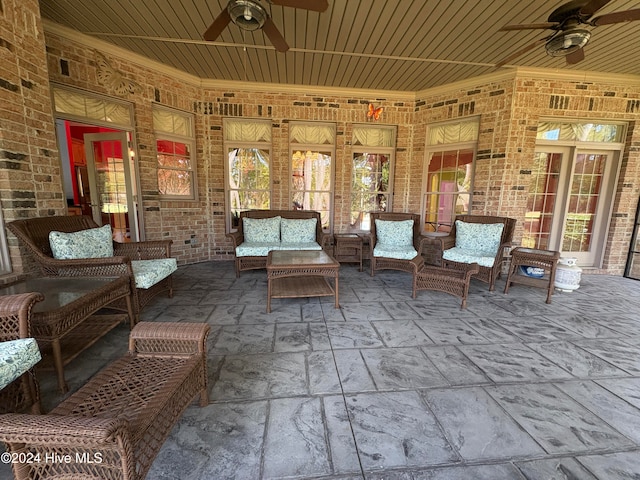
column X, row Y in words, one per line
column 301, row 273
column 64, row 323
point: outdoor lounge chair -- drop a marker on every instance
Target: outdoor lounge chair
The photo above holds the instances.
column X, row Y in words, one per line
column 395, row 241
column 147, row 264
column 480, row 239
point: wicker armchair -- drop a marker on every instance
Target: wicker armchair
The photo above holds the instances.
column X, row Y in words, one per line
column 379, row 262
column 21, row 395
column 33, row 233
column 487, row 273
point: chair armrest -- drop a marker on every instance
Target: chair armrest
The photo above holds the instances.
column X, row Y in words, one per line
column 169, row 338
column 325, row 240
column 236, row 237
column 106, row 266
column 144, row 250
column 447, row 242
column 15, row 312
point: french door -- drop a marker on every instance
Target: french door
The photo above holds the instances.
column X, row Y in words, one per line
column 111, row 184
column 569, row 201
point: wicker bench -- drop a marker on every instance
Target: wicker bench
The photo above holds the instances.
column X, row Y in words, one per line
column 113, row 427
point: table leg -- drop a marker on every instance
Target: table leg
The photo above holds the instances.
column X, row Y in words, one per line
column 337, row 301
column 57, row 364
column 132, row 318
column 269, row 295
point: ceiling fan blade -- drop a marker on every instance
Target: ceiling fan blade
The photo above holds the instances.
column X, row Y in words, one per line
column 575, row 57
column 275, row 36
column 315, row 5
column 592, row 7
column 617, row 17
column 218, row 25
column 530, row 26
column 522, row 51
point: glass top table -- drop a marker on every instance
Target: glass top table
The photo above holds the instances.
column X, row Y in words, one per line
column 301, row 273
column 64, row 323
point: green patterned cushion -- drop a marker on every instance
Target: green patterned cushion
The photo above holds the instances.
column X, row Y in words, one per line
column 299, row 230
column 16, row 357
column 401, row 253
column 261, row 229
column 256, row 249
column 149, row 272
column 468, row 256
column 394, row 233
column 480, row 238
column 90, row 243
column 300, row 246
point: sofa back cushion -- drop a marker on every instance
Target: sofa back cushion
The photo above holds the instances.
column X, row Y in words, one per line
column 261, row 229
column 90, row 243
column 394, row 233
column 479, row 237
column 298, row 230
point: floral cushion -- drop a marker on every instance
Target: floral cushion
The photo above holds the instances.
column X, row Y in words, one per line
column 300, row 246
column 462, row 255
column 261, row 229
column 401, row 253
column 16, row 357
column 298, row 230
column 90, row 243
column 480, row 238
column 256, row 249
column 149, row 272
column 394, row 233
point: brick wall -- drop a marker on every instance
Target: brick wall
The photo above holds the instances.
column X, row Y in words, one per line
column 29, row 162
column 509, row 110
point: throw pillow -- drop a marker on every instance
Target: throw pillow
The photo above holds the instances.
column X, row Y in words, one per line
column 394, row 233
column 90, row 243
column 302, row 230
column 479, row 237
column 261, row 229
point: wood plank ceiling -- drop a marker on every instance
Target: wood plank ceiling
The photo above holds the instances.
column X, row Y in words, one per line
column 398, row 45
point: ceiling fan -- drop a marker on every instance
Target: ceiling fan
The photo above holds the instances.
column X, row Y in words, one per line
column 568, row 38
column 251, row 15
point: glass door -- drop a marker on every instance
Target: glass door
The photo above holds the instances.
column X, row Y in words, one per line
column 111, row 184
column 633, row 263
column 569, row 202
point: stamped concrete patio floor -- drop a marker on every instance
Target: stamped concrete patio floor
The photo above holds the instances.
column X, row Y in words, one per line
column 388, row 387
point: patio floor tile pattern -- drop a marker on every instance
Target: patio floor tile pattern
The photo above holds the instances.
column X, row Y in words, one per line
column 388, row 387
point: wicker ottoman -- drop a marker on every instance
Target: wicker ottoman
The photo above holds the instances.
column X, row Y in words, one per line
column 452, row 281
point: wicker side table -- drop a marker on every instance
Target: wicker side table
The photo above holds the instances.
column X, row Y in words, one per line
column 347, row 247
column 531, row 257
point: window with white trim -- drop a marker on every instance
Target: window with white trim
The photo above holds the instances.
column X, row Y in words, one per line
column 175, row 150
column 449, row 168
column 312, row 153
column 247, row 144
column 371, row 182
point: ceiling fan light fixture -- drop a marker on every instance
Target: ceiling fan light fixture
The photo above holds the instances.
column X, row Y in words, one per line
column 247, row 14
column 567, row 42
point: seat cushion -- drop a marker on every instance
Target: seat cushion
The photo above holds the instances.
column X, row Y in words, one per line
column 90, row 243
column 263, row 230
column 462, row 255
column 479, row 237
column 393, row 251
column 298, row 230
column 256, row 249
column 394, row 233
column 300, row 246
column 149, row 272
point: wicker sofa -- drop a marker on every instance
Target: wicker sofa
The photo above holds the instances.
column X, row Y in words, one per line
column 147, row 264
column 114, row 426
column 260, row 231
